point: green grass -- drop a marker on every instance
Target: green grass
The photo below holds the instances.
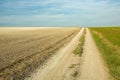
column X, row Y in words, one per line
column 75, row 74
column 111, row 58
column 79, row 49
column 111, row 34
column 72, row 65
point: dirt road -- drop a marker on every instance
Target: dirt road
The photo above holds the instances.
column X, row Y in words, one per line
column 92, row 67
column 58, row 67
column 61, row 66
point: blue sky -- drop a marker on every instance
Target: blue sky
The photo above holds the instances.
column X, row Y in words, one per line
column 59, row 12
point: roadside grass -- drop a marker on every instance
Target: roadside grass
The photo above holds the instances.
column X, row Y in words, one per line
column 111, row 58
column 72, row 65
column 75, row 74
column 79, row 49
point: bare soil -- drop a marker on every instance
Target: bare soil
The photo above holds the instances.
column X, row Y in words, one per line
column 24, row 49
column 61, row 66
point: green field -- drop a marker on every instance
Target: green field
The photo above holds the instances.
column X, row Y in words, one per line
column 108, row 42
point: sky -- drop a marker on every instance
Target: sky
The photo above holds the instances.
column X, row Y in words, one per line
column 59, row 12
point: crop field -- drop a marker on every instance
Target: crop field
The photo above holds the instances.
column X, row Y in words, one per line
column 108, row 42
column 24, row 49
